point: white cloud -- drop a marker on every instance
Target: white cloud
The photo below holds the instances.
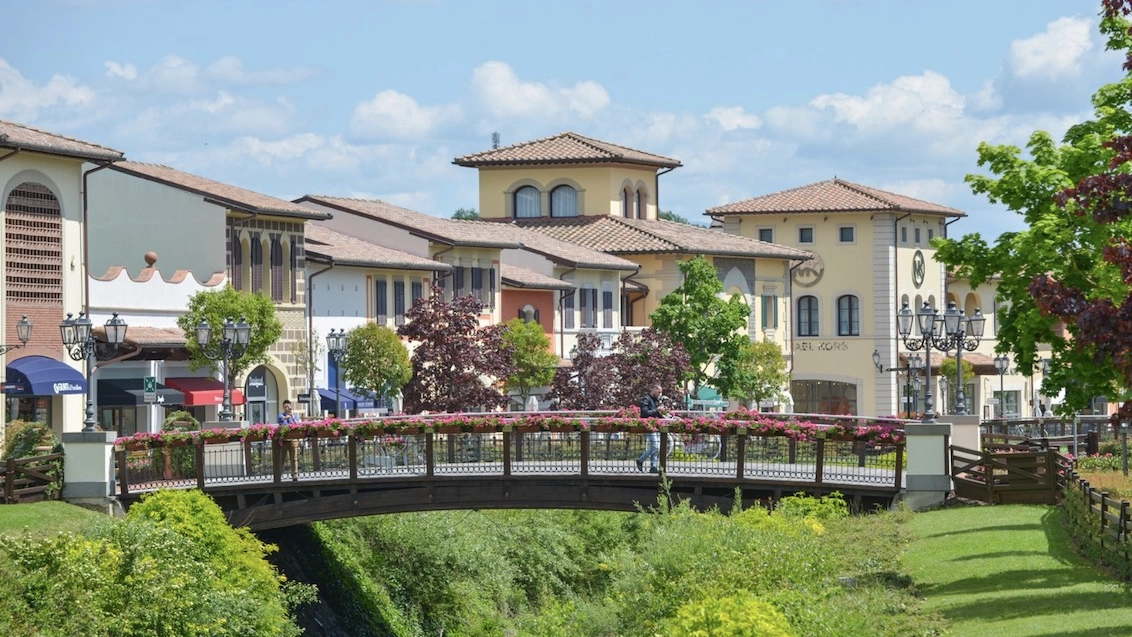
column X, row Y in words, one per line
column 503, row 96
column 230, row 69
column 21, row 100
column 733, row 117
column 126, row 71
column 396, row 115
column 1056, row 53
column 923, row 102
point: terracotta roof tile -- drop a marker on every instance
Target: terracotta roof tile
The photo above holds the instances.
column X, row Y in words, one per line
column 324, row 244
column 146, row 336
column 834, row 195
column 14, row 135
column 515, row 276
column 617, row 235
column 417, row 223
column 565, row 148
column 564, row 252
column 233, row 197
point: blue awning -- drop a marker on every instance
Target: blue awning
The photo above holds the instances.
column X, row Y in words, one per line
column 350, row 400
column 42, row 376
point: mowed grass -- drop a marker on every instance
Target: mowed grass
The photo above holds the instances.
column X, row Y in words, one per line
column 39, row 518
column 1010, row 571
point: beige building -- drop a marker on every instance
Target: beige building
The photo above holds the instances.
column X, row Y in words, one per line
column 873, row 255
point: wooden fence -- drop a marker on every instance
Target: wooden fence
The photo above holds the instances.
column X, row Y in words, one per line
column 32, row 479
column 1009, row 477
column 1100, row 524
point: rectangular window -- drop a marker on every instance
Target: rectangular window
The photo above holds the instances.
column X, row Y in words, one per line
column 490, row 300
column 766, row 234
column 845, row 234
column 568, row 310
column 904, row 234
column 607, row 309
column 477, row 284
column 805, row 235
column 458, row 282
column 931, row 234
column 917, row 235
column 381, row 296
column 770, row 312
column 398, row 302
column 587, row 304
column 418, row 291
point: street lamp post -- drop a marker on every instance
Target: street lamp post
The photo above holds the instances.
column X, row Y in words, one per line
column 927, row 321
column 233, row 343
column 960, row 333
column 912, row 365
column 1001, row 364
column 81, row 346
column 336, row 346
column 23, row 331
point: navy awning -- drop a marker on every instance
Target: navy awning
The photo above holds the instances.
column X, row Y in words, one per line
column 350, row 400
column 128, row 392
column 42, row 376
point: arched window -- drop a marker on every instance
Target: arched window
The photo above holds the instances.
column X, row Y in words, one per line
column 848, row 316
column 528, row 202
column 641, row 199
column 276, row 269
column 627, row 204
column 33, row 248
column 564, row 202
column 808, row 316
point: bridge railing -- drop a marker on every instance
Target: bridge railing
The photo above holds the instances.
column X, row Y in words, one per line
column 577, row 443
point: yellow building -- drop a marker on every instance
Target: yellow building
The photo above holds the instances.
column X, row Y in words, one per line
column 605, row 197
column 872, row 255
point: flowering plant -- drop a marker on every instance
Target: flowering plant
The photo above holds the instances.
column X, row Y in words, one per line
column 215, row 435
column 259, row 431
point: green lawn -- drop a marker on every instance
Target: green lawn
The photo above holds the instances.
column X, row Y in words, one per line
column 1008, row 571
column 42, row 517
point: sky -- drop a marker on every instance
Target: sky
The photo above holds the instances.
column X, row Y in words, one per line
column 375, row 98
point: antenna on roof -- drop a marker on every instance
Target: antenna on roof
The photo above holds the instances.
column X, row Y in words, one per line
column 494, row 141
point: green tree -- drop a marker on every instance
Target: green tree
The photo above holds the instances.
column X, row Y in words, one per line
column 695, row 315
column 215, row 306
column 466, row 214
column 533, row 364
column 1065, row 268
column 949, row 369
column 757, row 372
column 668, row 215
column 376, row 360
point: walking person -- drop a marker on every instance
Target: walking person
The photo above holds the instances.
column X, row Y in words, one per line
column 291, row 447
column 650, row 408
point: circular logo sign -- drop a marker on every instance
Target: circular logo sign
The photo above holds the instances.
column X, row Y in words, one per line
column 919, row 269
column 810, row 272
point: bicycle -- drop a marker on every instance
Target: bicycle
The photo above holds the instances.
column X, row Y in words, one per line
column 704, row 446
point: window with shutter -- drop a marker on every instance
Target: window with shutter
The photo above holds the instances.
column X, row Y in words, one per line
column 382, row 301
column 607, row 309
column 490, row 302
column 398, row 302
column 294, row 271
column 477, row 284
column 568, row 310
column 458, row 282
column 257, row 264
column 418, row 291
column 276, row 269
column 237, row 264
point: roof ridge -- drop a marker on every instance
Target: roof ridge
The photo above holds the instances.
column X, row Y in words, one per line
column 861, row 190
column 61, row 136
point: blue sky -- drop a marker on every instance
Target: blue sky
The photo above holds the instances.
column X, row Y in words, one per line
column 374, row 98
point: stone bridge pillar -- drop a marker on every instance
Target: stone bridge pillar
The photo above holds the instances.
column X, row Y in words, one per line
column 927, row 480
column 88, row 466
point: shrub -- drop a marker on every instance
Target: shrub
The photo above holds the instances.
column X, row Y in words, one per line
column 734, row 616
column 23, row 438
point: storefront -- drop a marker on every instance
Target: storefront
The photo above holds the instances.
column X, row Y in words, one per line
column 204, row 396
column 119, row 400
column 32, row 384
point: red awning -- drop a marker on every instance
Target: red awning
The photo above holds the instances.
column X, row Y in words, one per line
column 203, row 391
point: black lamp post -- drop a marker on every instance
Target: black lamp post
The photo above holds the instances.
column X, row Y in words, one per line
column 81, row 345
column 927, row 321
column 960, row 333
column 232, row 344
column 23, row 331
column 1001, row 364
column 336, row 344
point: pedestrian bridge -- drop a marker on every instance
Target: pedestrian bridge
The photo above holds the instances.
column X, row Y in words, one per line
column 266, row 477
